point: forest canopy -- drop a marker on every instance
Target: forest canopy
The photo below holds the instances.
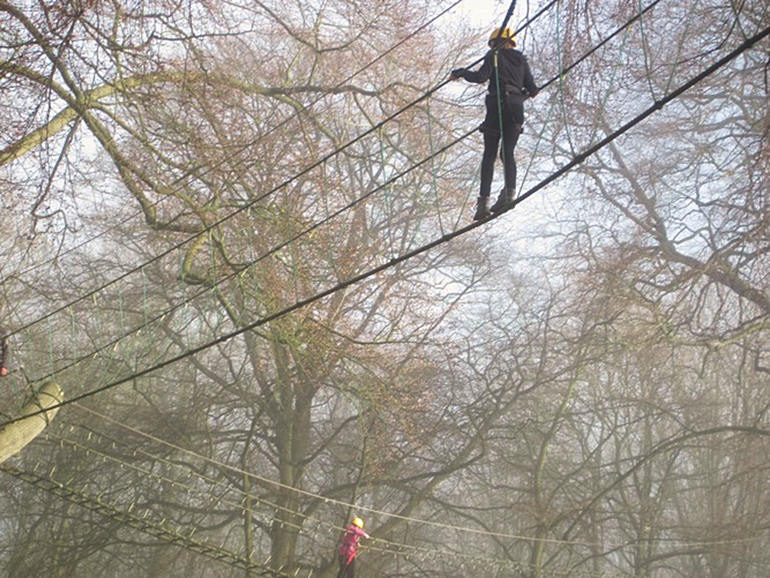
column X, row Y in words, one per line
column 238, row 237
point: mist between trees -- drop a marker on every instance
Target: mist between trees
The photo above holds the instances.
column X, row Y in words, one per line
column 577, row 388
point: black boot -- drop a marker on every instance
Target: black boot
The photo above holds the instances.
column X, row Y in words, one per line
column 504, row 200
column 482, row 209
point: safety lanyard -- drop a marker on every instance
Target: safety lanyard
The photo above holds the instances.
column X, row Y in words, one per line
column 499, row 104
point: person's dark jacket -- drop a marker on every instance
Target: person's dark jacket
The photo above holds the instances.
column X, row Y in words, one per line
column 515, row 76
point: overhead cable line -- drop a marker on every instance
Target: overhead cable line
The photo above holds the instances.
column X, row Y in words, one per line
column 578, row 159
column 316, row 225
column 280, row 186
column 265, row 255
column 389, row 546
column 604, row 41
column 273, row 483
column 411, row 551
column 246, row 495
column 348, row 505
column 316, row 496
column 313, row 227
column 163, row 479
column 177, row 183
column 220, row 554
column 275, row 249
column 159, row 531
column 183, row 539
column 656, row 106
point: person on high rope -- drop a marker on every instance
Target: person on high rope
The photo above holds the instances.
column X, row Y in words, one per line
column 4, row 347
column 510, row 84
column 349, row 547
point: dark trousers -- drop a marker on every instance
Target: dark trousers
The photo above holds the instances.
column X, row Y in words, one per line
column 513, row 119
column 347, row 570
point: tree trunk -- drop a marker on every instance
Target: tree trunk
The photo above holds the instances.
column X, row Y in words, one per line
column 15, row 436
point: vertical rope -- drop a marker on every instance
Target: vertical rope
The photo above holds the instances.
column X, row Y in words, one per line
column 544, row 124
column 560, row 54
column 50, row 345
column 144, row 296
column 73, row 334
column 434, row 183
column 607, row 93
column 500, row 116
column 385, row 186
column 121, row 314
column 645, row 52
column 212, row 257
column 679, row 46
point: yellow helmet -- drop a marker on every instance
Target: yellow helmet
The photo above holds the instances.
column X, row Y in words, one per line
column 358, row 522
column 504, row 34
